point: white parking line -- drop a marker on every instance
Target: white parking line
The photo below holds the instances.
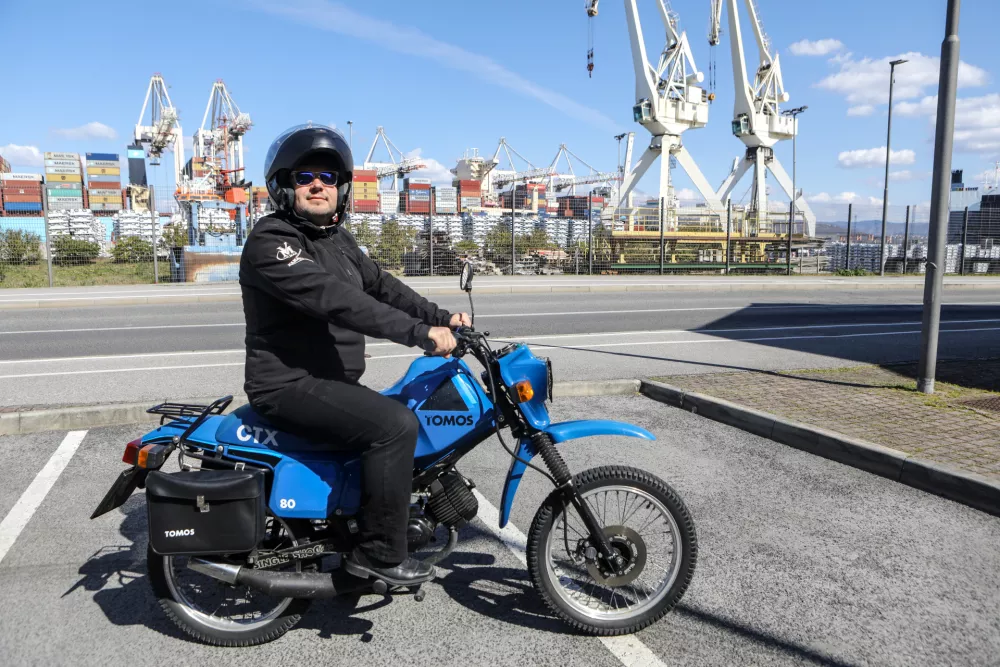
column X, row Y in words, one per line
column 25, row 507
column 629, row 649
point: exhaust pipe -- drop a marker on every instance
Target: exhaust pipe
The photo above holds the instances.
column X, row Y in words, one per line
column 301, row 585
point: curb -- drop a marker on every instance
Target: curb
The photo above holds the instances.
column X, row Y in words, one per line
column 966, row 488
column 792, row 285
column 114, row 414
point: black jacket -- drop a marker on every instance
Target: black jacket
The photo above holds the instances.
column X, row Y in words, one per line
column 310, row 296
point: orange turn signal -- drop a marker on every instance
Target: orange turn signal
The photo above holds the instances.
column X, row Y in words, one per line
column 525, row 392
column 143, row 457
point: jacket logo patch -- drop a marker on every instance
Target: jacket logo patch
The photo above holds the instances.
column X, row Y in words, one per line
column 286, row 252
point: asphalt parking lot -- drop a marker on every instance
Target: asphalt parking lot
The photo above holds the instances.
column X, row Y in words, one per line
column 801, row 561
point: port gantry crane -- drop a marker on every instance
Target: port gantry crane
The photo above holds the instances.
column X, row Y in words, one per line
column 395, row 167
column 757, row 120
column 668, row 102
column 164, row 130
column 220, row 139
column 559, row 181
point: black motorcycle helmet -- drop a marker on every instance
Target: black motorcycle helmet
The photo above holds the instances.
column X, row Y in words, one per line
column 308, row 142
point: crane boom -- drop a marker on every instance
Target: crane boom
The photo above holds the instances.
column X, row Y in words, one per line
column 163, row 130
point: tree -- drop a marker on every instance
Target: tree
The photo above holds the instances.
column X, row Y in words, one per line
column 132, row 249
column 174, row 236
column 538, row 240
column 18, row 246
column 393, row 243
column 364, row 234
column 466, row 247
column 67, row 250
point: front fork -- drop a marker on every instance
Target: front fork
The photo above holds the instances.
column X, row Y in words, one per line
column 564, row 483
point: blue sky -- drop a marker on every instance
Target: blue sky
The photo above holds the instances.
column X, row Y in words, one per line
column 447, row 76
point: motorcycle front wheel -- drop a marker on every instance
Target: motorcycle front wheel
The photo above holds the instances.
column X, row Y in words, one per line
column 646, row 523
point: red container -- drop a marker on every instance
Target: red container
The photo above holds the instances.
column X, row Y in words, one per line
column 366, row 206
column 23, row 199
column 104, row 185
column 366, row 175
column 31, row 190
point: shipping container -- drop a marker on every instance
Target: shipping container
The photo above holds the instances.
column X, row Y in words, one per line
column 105, row 200
column 418, row 195
column 63, row 186
column 63, row 192
column 21, row 189
column 20, row 177
column 106, row 207
column 63, row 178
column 104, row 163
column 365, row 175
column 104, row 185
column 116, row 171
column 365, row 206
column 8, row 197
column 102, row 156
column 421, row 183
column 63, row 163
column 104, row 192
column 15, row 206
column 63, row 170
column 61, row 156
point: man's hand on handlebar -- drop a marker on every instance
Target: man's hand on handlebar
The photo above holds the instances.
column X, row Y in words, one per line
column 440, row 341
column 460, row 320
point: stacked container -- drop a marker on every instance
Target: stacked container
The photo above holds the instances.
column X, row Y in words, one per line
column 417, row 193
column 470, row 194
column 389, row 202
column 104, row 182
column 21, row 194
column 366, row 191
column 446, row 199
column 63, row 181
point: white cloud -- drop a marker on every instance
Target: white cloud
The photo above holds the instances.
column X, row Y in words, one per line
column 861, row 110
column 337, row 18
column 22, row 156
column 827, row 198
column 434, row 170
column 873, row 157
column 820, row 47
column 866, row 81
column 905, row 175
column 988, row 176
column 687, row 193
column 977, row 121
column 92, row 130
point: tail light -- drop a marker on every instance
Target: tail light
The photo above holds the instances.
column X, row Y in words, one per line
column 131, row 454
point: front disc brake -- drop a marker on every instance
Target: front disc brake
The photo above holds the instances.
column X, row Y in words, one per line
column 627, row 543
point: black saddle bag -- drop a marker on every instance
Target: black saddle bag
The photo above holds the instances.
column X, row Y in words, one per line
column 205, row 512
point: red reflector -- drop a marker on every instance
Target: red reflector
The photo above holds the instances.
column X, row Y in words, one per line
column 131, row 452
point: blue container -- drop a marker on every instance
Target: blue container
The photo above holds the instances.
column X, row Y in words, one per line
column 102, row 156
column 22, row 206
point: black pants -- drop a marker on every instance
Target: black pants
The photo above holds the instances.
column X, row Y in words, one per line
column 352, row 418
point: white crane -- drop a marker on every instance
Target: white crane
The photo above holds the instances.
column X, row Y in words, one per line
column 757, row 119
column 397, row 164
column 220, row 138
column 668, row 102
column 570, row 180
column 497, row 178
column 164, row 129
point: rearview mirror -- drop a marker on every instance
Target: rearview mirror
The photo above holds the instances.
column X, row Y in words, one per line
column 465, row 279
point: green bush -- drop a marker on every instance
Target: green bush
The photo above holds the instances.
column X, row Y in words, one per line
column 853, row 272
column 132, row 249
column 68, row 251
column 20, row 247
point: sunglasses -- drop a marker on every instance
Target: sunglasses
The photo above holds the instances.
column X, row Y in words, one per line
column 302, row 178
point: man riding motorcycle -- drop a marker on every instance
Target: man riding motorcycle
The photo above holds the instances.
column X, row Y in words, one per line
column 310, row 296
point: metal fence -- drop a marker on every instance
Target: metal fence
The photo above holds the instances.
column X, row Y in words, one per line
column 168, row 236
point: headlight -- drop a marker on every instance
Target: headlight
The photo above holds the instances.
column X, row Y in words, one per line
column 548, row 372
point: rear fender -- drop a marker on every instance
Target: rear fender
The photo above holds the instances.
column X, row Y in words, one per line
column 560, row 432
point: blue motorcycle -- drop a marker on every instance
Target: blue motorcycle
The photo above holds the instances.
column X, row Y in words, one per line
column 256, row 522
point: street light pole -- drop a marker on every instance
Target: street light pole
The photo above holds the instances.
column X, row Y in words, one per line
column 350, row 125
column 794, row 113
column 888, row 155
column 938, row 232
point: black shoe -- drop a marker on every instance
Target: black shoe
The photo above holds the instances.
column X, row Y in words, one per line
column 408, row 573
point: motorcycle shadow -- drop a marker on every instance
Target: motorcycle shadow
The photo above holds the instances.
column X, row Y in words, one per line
column 116, row 575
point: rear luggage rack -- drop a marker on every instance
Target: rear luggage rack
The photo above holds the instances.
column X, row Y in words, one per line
column 183, row 411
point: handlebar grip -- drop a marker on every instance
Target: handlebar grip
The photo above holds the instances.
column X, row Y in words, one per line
column 428, row 345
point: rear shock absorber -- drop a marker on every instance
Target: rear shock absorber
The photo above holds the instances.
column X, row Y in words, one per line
column 553, row 459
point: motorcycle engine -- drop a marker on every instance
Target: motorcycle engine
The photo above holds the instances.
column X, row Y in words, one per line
column 451, row 502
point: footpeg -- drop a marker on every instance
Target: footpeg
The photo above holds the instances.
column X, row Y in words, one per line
column 419, row 593
column 380, row 587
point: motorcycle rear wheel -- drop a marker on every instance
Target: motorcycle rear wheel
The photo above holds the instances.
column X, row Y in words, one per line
column 189, row 599
column 646, row 522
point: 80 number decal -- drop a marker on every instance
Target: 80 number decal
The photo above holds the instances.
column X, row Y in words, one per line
column 287, row 503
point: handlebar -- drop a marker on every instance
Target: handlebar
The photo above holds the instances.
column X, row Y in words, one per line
column 466, row 337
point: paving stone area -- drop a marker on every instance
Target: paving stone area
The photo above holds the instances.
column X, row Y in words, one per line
column 958, row 426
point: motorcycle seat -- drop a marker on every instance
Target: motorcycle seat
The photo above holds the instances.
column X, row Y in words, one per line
column 243, row 427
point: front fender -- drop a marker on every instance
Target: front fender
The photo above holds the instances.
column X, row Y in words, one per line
column 560, row 432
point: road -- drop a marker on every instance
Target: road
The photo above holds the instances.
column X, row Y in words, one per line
column 801, row 561
column 147, row 352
